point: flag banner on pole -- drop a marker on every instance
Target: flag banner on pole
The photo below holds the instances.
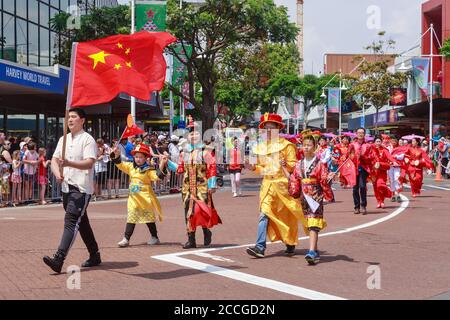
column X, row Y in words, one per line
column 151, row 15
column 186, row 103
column 131, row 64
column 179, row 68
column 333, row 100
column 421, row 71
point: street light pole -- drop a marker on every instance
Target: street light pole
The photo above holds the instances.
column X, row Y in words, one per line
column 340, row 101
column 431, row 87
column 133, row 30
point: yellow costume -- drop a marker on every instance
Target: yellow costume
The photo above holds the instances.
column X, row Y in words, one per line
column 283, row 211
column 143, row 206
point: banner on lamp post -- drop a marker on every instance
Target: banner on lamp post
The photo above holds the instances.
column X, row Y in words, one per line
column 179, row 66
column 421, row 71
column 151, row 15
column 333, row 100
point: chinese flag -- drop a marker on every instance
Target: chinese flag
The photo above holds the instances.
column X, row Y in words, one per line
column 132, row 64
column 132, row 129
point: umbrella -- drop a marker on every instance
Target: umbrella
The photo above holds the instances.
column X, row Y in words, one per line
column 329, row 135
column 412, row 136
column 349, row 134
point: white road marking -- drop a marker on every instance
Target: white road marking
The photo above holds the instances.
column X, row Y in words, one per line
column 176, row 258
column 436, row 187
column 210, row 256
column 7, row 218
column 248, row 278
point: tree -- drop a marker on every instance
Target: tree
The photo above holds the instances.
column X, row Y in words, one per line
column 251, row 77
column 213, row 28
column 376, row 81
column 445, row 50
column 99, row 23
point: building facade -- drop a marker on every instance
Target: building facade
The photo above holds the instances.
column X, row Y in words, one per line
column 26, row 34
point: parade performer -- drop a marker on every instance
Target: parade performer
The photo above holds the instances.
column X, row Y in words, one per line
column 381, row 164
column 307, row 182
column 347, row 171
column 279, row 212
column 397, row 171
column 199, row 170
column 77, row 181
column 324, row 155
column 362, row 159
column 143, row 206
column 235, row 168
column 416, row 159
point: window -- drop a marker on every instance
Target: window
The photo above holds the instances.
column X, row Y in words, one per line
column 9, row 49
column 33, row 42
column 43, row 14
column 8, row 6
column 44, row 48
column 33, row 10
column 21, row 124
column 21, row 8
column 22, row 41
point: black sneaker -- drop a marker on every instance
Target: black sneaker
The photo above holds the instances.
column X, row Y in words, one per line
column 54, row 263
column 189, row 245
column 94, row 260
column 393, row 199
column 255, row 252
column 290, row 250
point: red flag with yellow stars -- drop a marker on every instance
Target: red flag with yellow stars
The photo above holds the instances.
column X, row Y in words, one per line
column 132, row 64
column 132, row 129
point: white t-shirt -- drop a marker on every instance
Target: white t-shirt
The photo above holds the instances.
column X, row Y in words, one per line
column 78, row 148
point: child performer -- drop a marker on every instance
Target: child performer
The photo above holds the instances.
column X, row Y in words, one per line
column 307, row 182
column 143, row 206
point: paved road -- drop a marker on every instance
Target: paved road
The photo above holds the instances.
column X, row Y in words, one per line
column 400, row 252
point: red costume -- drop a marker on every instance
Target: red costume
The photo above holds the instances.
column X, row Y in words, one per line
column 347, row 168
column 379, row 175
column 398, row 153
column 417, row 159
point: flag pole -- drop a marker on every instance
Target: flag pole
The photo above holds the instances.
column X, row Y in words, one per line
column 133, row 30
column 69, row 99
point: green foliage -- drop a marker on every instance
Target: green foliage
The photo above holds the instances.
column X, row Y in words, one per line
column 445, row 50
column 101, row 22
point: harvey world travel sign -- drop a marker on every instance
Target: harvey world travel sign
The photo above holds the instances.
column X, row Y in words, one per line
column 29, row 78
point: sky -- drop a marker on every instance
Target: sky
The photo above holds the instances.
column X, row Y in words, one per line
column 347, row 26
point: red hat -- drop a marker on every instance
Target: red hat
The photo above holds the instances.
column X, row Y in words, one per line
column 141, row 148
column 271, row 117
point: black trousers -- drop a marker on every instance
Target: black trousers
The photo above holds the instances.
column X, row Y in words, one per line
column 360, row 190
column 129, row 230
column 75, row 204
column 444, row 163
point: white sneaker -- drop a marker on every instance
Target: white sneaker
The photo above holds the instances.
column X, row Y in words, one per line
column 124, row 243
column 235, row 195
column 153, row 241
column 240, row 193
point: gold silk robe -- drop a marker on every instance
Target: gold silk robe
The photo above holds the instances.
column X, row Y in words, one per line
column 283, row 211
column 143, row 206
